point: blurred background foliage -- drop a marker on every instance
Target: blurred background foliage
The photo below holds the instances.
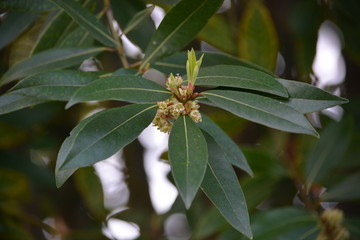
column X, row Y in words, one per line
column 278, row 35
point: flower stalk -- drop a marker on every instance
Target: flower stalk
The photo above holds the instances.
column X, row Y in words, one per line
column 183, row 97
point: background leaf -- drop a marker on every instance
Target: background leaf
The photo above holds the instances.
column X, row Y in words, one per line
column 347, row 189
column 228, row 146
column 240, row 77
column 26, row 5
column 124, row 11
column 188, row 157
column 138, row 19
column 87, row 20
column 48, row 60
column 221, row 186
column 260, row 109
column 103, row 135
column 128, row 88
column 14, row 24
column 58, row 29
column 179, row 27
column 55, row 27
column 287, row 219
column 217, row 32
column 176, row 63
column 328, row 150
column 258, row 41
column 89, row 186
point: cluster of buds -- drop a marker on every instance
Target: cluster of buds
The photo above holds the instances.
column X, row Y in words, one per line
column 331, row 225
column 171, row 109
column 180, row 91
column 182, row 101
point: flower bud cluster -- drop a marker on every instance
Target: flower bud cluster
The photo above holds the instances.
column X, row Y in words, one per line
column 182, row 99
column 171, row 109
column 331, row 226
column 182, row 92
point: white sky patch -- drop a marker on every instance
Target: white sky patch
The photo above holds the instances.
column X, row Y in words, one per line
column 157, row 15
column 329, row 65
column 121, row 230
column 162, row 192
column 110, row 172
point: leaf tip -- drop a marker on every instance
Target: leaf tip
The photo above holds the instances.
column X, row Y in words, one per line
column 70, row 104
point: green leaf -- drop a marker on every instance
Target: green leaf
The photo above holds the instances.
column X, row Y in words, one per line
column 102, row 135
column 54, row 85
column 329, row 150
column 27, row 5
column 188, row 157
column 258, row 41
column 138, row 19
column 240, row 77
column 275, row 223
column 87, row 20
column 228, row 146
column 58, row 28
column 48, row 60
column 122, row 88
column 176, row 63
column 179, row 27
column 13, row 102
column 222, row 187
column 263, row 110
column 62, row 175
column 77, row 38
column 347, row 189
column 14, row 24
column 54, row 29
column 306, row 98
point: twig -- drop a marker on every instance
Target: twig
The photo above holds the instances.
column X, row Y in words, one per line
column 119, row 46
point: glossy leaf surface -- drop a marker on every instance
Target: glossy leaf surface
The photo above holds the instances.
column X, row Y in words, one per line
column 87, row 20
column 49, row 60
column 123, row 88
column 179, row 27
column 260, row 109
column 240, row 77
column 53, row 85
column 103, row 135
column 188, row 157
column 258, row 41
column 307, row 98
column 227, row 145
column 222, row 187
column 14, row 102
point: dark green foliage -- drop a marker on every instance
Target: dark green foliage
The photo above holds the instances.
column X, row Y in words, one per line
column 250, row 168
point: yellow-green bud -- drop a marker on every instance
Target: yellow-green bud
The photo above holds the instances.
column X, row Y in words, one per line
column 193, row 66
